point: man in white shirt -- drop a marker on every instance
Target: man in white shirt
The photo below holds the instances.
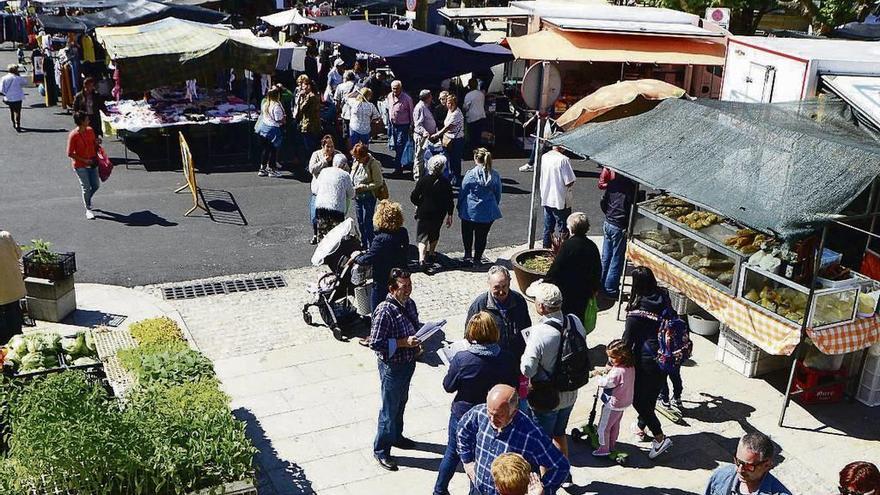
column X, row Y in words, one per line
column 12, row 89
column 557, row 179
column 340, row 97
column 474, row 107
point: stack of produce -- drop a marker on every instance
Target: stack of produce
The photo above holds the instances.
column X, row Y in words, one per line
column 33, row 352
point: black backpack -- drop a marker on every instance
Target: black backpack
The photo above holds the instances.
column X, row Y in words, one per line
column 572, row 369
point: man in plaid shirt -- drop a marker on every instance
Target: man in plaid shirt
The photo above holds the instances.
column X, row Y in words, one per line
column 392, row 337
column 491, row 429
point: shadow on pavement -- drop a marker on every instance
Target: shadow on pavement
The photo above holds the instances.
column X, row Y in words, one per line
column 92, row 318
column 143, row 218
column 224, row 207
column 603, row 487
column 274, row 476
column 43, row 131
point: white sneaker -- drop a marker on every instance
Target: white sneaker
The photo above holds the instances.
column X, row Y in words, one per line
column 90, row 215
column 527, row 168
column 262, row 173
column 274, row 173
column 659, row 448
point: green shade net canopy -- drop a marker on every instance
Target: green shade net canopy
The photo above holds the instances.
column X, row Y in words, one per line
column 779, row 168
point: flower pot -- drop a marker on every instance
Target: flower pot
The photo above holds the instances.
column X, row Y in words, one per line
column 526, row 276
column 63, row 267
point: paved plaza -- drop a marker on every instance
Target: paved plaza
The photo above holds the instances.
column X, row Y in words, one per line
column 311, row 403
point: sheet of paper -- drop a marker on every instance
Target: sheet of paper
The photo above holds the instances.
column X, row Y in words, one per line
column 429, row 329
column 448, row 351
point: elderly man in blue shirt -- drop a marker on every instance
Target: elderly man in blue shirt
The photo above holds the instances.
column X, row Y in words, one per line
column 489, row 430
column 392, row 337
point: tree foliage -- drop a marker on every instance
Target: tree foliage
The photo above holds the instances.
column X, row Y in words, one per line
column 747, row 14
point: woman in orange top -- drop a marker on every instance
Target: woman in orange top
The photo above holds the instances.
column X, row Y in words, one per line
column 82, row 148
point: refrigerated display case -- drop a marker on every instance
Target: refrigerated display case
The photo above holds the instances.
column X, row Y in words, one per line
column 787, row 300
column 701, row 253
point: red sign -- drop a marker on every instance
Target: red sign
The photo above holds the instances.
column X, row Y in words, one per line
column 411, row 5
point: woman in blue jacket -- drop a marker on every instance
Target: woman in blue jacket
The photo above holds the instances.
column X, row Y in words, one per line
column 478, row 205
column 472, row 372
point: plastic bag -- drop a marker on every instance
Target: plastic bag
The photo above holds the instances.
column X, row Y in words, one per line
column 408, row 156
column 105, row 166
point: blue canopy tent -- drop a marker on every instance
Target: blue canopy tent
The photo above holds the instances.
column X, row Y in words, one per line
column 418, row 59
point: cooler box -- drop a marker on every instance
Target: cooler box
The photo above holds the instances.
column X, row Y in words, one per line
column 818, row 386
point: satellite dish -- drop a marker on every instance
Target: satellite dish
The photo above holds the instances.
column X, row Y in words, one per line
column 541, row 86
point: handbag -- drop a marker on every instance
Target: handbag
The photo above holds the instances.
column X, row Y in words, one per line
column 446, row 140
column 105, row 166
column 382, row 192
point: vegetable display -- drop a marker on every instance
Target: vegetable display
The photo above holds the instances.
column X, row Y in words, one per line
column 174, row 433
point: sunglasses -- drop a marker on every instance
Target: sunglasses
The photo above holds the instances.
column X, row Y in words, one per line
column 748, row 466
column 845, row 491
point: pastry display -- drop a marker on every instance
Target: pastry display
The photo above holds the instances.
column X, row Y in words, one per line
column 784, row 301
column 746, row 241
column 699, row 219
column 672, row 207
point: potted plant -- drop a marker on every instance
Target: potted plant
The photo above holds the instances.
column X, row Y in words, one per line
column 530, row 265
column 41, row 262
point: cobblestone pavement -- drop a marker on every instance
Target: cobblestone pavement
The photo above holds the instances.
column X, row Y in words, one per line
column 311, row 403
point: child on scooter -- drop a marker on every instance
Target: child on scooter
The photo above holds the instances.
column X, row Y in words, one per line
column 618, row 381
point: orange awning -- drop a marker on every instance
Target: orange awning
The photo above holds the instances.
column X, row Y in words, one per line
column 601, row 47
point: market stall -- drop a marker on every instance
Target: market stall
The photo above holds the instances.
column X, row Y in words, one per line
column 407, row 51
column 170, row 52
column 136, row 12
column 750, row 192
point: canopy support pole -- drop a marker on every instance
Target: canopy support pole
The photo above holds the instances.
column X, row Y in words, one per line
column 536, row 176
column 800, row 348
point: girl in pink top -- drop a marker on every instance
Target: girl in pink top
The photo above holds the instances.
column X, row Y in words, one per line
column 617, row 381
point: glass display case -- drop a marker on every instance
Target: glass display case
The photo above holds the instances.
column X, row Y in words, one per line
column 787, row 300
column 700, row 254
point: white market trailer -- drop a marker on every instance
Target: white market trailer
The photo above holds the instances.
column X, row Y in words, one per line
column 763, row 70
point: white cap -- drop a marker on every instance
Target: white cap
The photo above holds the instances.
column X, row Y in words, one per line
column 338, row 62
column 547, row 294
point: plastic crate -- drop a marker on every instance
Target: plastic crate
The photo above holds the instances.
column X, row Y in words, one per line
column 871, row 374
column 62, row 268
column 868, row 397
column 747, row 359
column 818, row 386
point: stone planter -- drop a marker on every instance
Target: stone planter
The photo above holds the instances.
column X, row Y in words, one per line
column 524, row 276
column 244, row 487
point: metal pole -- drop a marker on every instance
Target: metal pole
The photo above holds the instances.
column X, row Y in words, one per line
column 536, row 175
column 799, row 349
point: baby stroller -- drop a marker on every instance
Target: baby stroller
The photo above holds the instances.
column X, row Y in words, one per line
column 331, row 293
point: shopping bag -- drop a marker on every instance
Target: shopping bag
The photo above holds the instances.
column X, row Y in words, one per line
column 105, row 166
column 408, row 156
column 590, row 315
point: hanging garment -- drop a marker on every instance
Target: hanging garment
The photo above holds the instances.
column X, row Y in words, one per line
column 49, row 82
column 88, row 49
column 192, row 92
column 66, row 87
column 265, row 83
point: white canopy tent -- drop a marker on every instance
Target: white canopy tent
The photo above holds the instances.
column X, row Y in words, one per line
column 287, row 18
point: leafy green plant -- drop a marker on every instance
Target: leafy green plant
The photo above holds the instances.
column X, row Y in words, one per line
column 65, row 429
column 161, row 330
column 168, row 363
column 42, row 251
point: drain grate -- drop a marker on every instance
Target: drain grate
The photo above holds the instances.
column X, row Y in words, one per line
column 223, row 287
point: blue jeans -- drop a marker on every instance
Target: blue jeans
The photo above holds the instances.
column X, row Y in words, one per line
column 89, row 182
column 554, row 423
column 450, row 459
column 365, row 206
column 11, row 321
column 395, row 378
column 475, row 133
column 453, row 157
column 675, row 378
column 356, row 137
column 309, row 145
column 613, row 255
column 554, row 219
column 399, row 137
